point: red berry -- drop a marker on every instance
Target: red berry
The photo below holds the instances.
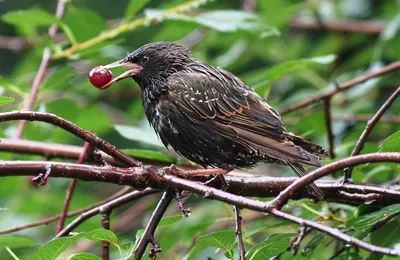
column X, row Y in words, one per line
column 100, row 76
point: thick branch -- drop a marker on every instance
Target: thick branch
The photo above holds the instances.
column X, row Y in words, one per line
column 284, row 196
column 74, row 129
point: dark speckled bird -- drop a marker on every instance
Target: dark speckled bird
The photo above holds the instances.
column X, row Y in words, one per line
column 209, row 115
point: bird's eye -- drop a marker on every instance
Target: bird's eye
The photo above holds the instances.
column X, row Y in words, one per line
column 144, row 59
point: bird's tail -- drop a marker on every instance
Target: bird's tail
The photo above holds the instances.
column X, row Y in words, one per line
column 312, row 188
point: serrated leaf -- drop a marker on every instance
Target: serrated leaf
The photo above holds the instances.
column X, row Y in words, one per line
column 83, row 256
column 138, row 134
column 133, row 7
column 367, row 220
column 272, row 246
column 102, row 234
column 55, row 247
column 391, row 144
column 142, row 154
column 16, row 241
column 221, row 239
column 276, row 72
column 6, row 100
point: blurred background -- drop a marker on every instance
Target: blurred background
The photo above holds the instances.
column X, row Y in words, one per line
column 287, row 50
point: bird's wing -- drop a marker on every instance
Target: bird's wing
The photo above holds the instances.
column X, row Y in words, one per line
column 225, row 104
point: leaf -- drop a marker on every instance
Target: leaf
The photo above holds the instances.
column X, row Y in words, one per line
column 272, row 246
column 83, row 256
column 367, row 220
column 16, row 241
column 309, row 249
column 229, row 20
column 55, row 247
column 391, row 144
column 27, row 20
column 274, row 73
column 134, row 6
column 102, row 234
column 169, row 221
column 85, row 23
column 391, row 29
column 349, row 256
column 137, row 134
column 221, row 239
column 141, row 154
column 5, row 100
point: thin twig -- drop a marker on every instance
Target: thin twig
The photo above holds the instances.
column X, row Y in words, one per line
column 297, row 241
column 71, row 188
column 368, row 129
column 369, row 27
column 242, row 202
column 238, row 231
column 389, row 68
column 74, row 129
column 284, row 196
column 69, row 214
column 105, row 223
column 109, row 205
column 46, row 57
column 148, row 233
column 328, row 122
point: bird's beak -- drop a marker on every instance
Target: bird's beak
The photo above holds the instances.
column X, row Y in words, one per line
column 133, row 70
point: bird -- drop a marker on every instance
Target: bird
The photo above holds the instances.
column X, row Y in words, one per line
column 209, row 115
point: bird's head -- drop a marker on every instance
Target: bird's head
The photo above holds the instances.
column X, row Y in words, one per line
column 151, row 64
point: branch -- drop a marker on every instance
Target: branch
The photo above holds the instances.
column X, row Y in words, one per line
column 242, row 202
column 239, row 235
column 368, row 129
column 143, row 177
column 71, row 188
column 105, row 223
column 124, row 28
column 74, row 129
column 284, row 196
column 148, row 234
column 389, row 68
column 369, row 27
column 104, row 207
column 328, row 122
column 42, row 69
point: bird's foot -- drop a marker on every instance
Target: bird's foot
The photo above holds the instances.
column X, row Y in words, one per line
column 344, row 180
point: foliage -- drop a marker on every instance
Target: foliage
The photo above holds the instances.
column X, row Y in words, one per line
column 281, row 62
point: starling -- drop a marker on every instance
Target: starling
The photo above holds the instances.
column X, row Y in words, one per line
column 209, row 115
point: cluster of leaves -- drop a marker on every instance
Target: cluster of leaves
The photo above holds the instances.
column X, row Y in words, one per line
column 282, row 64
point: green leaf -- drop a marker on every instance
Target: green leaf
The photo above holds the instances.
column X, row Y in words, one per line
column 134, row 6
column 391, row 144
column 272, row 246
column 28, row 20
column 84, row 23
column 221, row 239
column 5, row 100
column 367, row 220
column 15, row 241
column 349, row 256
column 83, row 256
column 169, row 221
column 142, row 154
column 138, row 134
column 55, row 247
column 102, row 234
column 309, row 249
column 274, row 73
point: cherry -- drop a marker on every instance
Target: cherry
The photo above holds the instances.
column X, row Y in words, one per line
column 99, row 76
